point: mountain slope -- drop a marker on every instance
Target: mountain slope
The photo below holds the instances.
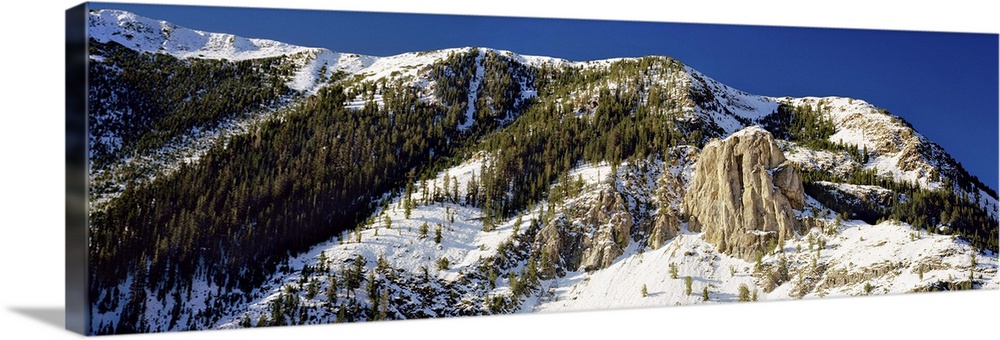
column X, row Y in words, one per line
column 335, row 187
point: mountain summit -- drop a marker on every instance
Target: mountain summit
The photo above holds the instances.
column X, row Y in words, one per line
column 156, row 36
column 243, row 182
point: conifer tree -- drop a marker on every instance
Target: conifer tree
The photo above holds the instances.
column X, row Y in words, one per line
column 744, row 293
column 443, row 263
column 331, row 289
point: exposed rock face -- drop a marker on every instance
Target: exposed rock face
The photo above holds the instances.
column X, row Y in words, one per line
column 670, row 193
column 640, row 201
column 588, row 235
column 614, row 225
column 743, row 194
column 665, row 227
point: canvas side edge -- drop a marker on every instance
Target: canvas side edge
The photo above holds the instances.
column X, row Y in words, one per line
column 77, row 290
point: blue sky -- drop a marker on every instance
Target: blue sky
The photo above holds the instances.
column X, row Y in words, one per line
column 945, row 84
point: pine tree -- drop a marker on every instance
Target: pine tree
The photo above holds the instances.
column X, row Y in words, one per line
column 644, row 291
column 277, row 313
column 372, row 287
column 331, row 289
column 423, row 191
column 531, row 274
column 744, row 293
column 687, row 285
column 491, row 275
column 704, row 294
column 443, row 263
column 383, row 305
column 312, row 289
column 408, row 203
column 381, row 264
column 446, row 184
column 323, row 262
column 341, row 313
column 673, row 270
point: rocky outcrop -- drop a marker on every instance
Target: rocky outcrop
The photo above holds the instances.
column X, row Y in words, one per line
column 639, row 201
column 672, row 184
column 743, row 194
column 665, row 227
column 613, row 226
column 589, row 234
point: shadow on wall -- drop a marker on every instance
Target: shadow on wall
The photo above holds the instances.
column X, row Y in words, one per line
column 52, row 316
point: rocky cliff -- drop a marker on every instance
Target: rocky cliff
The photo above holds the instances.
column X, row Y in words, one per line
column 743, row 194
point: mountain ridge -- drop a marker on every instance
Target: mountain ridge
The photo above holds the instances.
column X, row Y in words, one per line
column 748, row 106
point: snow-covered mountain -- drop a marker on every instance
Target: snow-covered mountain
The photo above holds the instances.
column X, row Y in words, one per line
column 513, row 184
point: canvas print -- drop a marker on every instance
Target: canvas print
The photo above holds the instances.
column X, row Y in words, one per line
column 277, row 167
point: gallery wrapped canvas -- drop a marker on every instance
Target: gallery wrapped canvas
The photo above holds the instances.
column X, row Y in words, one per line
column 291, row 167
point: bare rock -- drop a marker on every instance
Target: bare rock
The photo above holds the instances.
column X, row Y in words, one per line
column 611, row 235
column 673, row 183
column 589, row 234
column 665, row 227
column 743, row 194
